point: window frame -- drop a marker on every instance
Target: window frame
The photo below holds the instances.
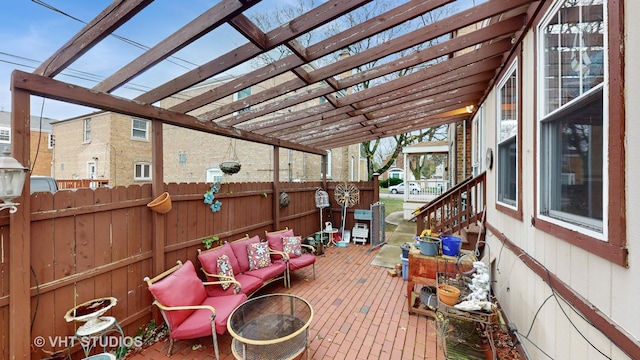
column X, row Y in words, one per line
column 213, row 175
column 146, row 130
column 613, row 245
column 514, row 211
column 86, row 130
column 239, row 95
column 501, row 177
column 143, row 165
column 6, row 130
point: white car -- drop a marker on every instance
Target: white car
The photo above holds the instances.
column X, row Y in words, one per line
column 399, row 189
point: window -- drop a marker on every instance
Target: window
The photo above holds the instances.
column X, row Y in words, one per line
column 5, row 135
column 139, row 129
column 477, row 131
column 508, row 124
column 328, row 168
column 214, row 175
column 87, row 131
column 142, row 171
column 573, row 119
column 91, row 170
column 182, row 158
column 241, row 95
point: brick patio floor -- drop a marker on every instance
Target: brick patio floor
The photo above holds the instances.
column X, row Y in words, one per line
column 360, row 312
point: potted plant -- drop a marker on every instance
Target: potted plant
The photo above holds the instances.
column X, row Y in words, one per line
column 208, row 241
column 230, row 167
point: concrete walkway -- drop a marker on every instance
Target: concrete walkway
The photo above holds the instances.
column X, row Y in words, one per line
column 405, row 231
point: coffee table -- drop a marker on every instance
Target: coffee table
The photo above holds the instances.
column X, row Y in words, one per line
column 274, row 326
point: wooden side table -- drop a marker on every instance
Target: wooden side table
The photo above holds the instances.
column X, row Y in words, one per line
column 423, row 270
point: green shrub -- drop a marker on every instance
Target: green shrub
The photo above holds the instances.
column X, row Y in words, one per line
column 395, row 181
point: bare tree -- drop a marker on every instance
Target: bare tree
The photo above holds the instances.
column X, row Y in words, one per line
column 280, row 15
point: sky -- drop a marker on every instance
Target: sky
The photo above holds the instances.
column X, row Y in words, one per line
column 32, row 30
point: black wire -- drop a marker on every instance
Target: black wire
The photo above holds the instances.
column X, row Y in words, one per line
column 121, row 38
column 537, row 347
column 35, row 311
column 569, row 319
column 537, row 312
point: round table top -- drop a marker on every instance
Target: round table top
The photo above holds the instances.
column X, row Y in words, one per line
column 270, row 319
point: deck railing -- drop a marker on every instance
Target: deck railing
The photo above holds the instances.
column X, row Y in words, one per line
column 455, row 209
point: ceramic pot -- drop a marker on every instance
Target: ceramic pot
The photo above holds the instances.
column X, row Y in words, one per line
column 161, row 204
column 448, row 294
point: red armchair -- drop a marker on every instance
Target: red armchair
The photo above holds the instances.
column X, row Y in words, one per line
column 186, row 308
column 296, row 258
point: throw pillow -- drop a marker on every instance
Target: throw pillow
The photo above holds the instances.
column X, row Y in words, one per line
column 291, row 246
column 258, row 255
column 225, row 269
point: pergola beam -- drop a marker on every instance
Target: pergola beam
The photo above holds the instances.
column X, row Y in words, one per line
column 53, row 89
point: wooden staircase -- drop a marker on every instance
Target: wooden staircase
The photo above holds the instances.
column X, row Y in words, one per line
column 457, row 211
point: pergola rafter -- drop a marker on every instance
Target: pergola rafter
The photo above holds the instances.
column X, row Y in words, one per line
column 460, row 57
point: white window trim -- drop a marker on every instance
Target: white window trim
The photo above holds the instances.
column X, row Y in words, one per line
column 146, row 130
column 513, row 68
column 142, row 163
column 84, row 130
column 211, row 175
column 236, row 97
column 8, row 130
column 328, row 167
column 540, row 106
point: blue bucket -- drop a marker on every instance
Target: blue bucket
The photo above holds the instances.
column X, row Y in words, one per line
column 429, row 245
column 451, row 245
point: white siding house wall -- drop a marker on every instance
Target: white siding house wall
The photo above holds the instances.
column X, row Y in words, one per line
column 612, row 289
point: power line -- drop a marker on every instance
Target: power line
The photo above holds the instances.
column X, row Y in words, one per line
column 121, row 38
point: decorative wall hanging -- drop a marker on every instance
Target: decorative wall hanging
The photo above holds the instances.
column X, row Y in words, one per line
column 209, row 197
column 284, row 199
column 161, row 204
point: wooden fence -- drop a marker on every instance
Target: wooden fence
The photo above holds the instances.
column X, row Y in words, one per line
column 89, row 243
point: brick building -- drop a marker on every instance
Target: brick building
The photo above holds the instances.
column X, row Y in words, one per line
column 117, row 148
column 41, row 143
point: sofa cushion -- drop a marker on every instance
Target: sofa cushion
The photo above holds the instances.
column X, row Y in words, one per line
column 301, row 261
column 209, row 259
column 291, row 246
column 180, row 288
column 248, row 284
column 240, row 250
column 258, row 254
column 275, row 240
column 277, row 268
column 194, row 327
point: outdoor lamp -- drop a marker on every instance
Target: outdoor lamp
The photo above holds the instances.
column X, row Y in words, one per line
column 12, row 176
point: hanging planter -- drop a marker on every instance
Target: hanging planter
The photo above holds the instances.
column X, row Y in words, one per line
column 231, row 166
column 161, row 204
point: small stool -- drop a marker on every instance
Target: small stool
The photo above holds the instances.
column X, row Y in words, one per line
column 108, row 324
column 103, row 356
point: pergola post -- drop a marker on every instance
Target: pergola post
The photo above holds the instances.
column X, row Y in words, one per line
column 157, row 188
column 20, row 234
column 276, row 187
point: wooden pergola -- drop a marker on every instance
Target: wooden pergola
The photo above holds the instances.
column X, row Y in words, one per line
column 442, row 81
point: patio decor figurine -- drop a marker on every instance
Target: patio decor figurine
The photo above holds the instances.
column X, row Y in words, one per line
column 478, row 299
